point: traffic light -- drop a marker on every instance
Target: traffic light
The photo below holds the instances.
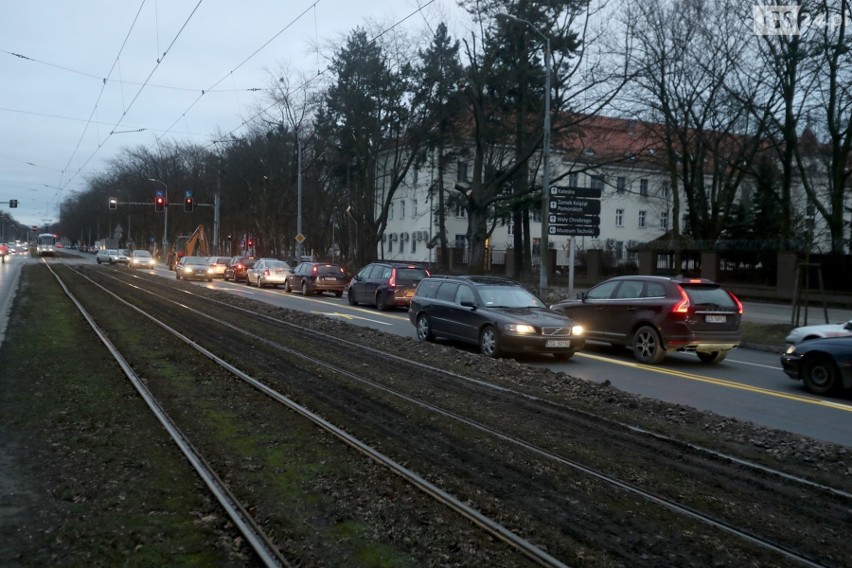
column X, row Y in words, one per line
column 188, row 204
column 13, row 203
column 159, row 203
column 113, row 203
column 251, row 242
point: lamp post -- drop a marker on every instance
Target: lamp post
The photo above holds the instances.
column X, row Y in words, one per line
column 216, row 206
column 545, row 174
column 300, row 248
column 165, row 217
column 357, row 229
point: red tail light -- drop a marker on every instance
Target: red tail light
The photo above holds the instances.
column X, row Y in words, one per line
column 737, row 302
column 314, row 270
column 392, row 281
column 266, row 272
column 681, row 307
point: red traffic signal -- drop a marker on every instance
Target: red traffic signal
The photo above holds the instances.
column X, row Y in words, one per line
column 159, row 203
column 251, row 242
column 188, row 204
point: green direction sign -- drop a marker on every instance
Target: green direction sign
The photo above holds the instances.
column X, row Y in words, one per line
column 575, row 230
column 557, row 192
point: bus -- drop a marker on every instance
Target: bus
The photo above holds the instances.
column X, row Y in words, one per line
column 46, row 244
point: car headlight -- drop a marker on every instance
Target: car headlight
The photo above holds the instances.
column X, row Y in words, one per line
column 209, row 271
column 519, row 328
column 577, row 330
column 791, row 349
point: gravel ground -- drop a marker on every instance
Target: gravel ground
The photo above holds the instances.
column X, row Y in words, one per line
column 78, row 488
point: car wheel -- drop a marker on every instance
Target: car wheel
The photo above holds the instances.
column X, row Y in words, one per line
column 177, row 275
column 380, row 302
column 210, row 279
column 564, row 355
column 712, row 357
column 820, row 374
column 351, row 297
column 647, row 347
column 339, row 293
column 287, row 286
column 424, row 328
column 304, row 288
column 489, row 344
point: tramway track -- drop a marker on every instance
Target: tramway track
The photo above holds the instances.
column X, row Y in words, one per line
column 624, row 485
column 267, row 551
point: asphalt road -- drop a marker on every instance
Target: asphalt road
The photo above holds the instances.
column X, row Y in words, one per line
column 748, row 385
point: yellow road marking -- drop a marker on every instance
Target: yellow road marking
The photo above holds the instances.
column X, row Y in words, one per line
column 718, row 382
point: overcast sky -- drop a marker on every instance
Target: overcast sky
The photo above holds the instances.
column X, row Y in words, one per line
column 80, row 79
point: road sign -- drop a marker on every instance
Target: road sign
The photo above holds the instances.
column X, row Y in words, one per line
column 300, row 238
column 575, row 230
column 587, row 192
column 576, row 206
column 584, row 220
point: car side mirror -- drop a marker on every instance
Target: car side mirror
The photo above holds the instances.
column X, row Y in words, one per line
column 582, row 296
column 468, row 304
column 848, row 326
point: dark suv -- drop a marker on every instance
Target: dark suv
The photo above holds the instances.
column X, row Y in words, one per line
column 385, row 284
column 654, row 315
column 499, row 315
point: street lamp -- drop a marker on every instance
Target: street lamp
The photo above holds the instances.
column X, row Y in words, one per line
column 545, row 174
column 165, row 217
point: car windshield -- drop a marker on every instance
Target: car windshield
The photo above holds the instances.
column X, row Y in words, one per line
column 194, row 260
column 275, row 264
column 509, row 297
column 142, row 254
column 410, row 274
column 709, row 296
column 329, row 270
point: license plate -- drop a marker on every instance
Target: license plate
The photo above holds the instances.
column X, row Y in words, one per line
column 409, row 294
column 557, row 343
column 715, row 319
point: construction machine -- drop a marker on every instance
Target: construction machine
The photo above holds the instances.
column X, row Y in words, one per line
column 192, row 245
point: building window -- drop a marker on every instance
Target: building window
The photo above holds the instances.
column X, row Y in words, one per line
column 573, row 179
column 459, row 242
column 598, row 182
column 413, row 243
column 621, row 184
column 461, row 171
column 460, row 211
column 413, row 208
column 643, row 187
column 664, row 220
column 401, row 242
column 619, row 217
column 536, row 215
column 619, row 251
column 664, row 189
column 684, row 223
column 414, row 175
column 390, row 211
column 642, row 216
column 402, row 209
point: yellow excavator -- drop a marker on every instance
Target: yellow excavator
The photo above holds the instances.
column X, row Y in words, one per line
column 192, row 245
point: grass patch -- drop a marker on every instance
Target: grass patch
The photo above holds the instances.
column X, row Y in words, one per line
column 769, row 334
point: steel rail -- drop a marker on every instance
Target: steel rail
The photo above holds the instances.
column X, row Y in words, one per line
column 491, row 526
column 662, row 501
column 549, row 403
column 266, row 551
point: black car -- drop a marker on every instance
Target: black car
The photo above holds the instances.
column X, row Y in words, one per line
column 824, row 365
column 655, row 315
column 316, row 278
column 385, row 284
column 498, row 315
